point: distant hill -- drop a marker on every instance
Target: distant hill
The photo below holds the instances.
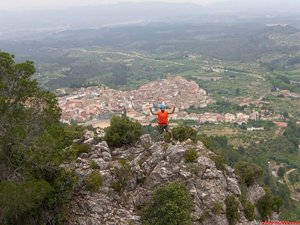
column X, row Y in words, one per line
column 68, row 54
column 39, row 23
column 256, row 6
column 281, row 29
column 96, row 16
column 228, row 42
column 251, row 46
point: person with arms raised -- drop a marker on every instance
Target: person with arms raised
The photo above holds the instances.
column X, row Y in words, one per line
column 163, row 120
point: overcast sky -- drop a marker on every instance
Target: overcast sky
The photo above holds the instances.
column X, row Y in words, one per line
column 56, row 4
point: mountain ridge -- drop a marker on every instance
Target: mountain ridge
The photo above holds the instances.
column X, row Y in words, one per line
column 114, row 14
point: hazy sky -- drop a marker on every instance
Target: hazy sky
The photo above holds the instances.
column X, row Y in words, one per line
column 54, row 4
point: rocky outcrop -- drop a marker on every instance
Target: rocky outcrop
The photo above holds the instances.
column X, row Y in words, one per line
column 152, row 165
column 254, row 193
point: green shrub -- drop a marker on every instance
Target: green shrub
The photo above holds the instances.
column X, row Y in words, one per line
column 249, row 209
column 94, row 165
column 122, row 174
column 122, row 131
column 219, row 162
column 264, row 206
column 281, row 171
column 98, row 139
column 167, row 137
column 267, row 204
column 248, row 172
column 207, row 141
column 277, row 203
column 72, row 132
column 217, row 209
column 19, row 198
column 94, row 181
column 232, row 210
column 64, row 183
column 169, row 204
column 81, row 148
column 190, row 155
column 183, row 133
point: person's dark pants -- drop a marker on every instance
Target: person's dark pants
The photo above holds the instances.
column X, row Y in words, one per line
column 164, row 128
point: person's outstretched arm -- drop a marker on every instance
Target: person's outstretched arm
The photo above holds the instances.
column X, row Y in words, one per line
column 172, row 110
column 152, row 112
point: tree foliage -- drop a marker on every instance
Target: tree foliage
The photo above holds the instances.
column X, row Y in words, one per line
column 248, row 209
column 292, row 134
column 267, row 204
column 220, row 106
column 219, row 162
column 232, row 210
column 248, row 172
column 190, row 155
column 122, row 174
column 31, row 143
column 16, row 199
column 183, row 133
column 122, row 131
column 170, row 204
column 94, row 181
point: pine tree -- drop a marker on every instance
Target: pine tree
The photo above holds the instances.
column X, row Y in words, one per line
column 31, row 142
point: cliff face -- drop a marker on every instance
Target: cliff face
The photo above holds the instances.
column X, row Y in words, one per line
column 152, row 165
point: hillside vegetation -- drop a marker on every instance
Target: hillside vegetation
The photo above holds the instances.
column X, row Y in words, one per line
column 130, row 56
column 33, row 143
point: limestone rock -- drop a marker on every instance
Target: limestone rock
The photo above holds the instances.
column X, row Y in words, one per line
column 104, row 146
column 152, row 165
column 89, row 141
column 84, row 155
column 100, row 133
column 232, row 186
column 146, row 140
column 255, row 192
column 88, row 134
column 106, row 156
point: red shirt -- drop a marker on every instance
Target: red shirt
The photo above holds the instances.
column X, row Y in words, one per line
column 163, row 118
